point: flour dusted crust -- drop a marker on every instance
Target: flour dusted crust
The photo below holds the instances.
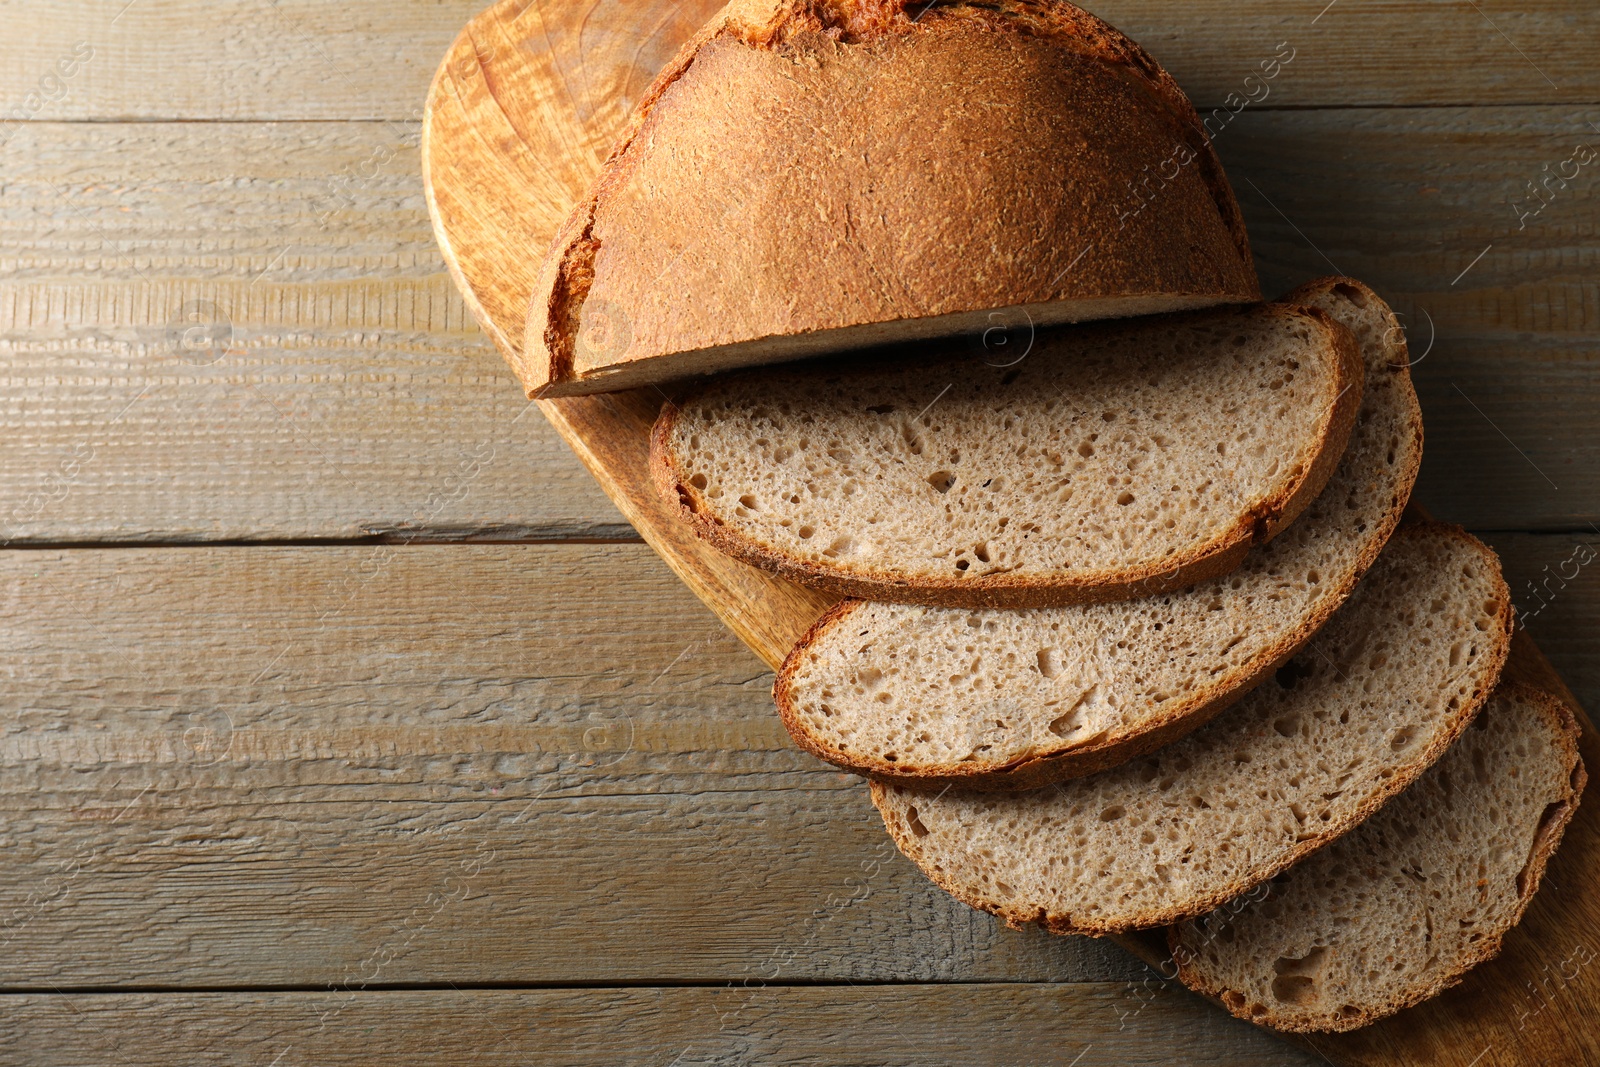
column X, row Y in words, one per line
column 809, row 177
column 1410, row 901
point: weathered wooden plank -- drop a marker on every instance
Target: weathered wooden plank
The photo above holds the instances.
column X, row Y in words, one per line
column 1382, row 53
column 1555, row 585
column 246, row 331
column 1434, row 208
column 1512, row 439
column 1086, row 1025
column 294, row 59
column 291, row 766
column 298, row 59
column 1411, row 199
column 349, row 394
column 185, row 886
column 288, row 766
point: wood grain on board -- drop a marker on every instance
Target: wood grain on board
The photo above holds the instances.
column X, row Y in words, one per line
column 488, row 149
column 205, row 733
column 368, row 59
column 235, row 766
column 246, row 331
column 360, row 765
column 1086, row 1025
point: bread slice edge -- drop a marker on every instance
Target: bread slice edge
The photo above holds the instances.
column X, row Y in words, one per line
column 1043, row 768
column 1214, row 558
column 1065, row 924
column 1547, row 839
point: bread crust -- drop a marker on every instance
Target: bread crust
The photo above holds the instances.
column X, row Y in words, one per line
column 1195, row 563
column 1040, row 768
column 1212, row 263
column 1018, row 918
column 1547, row 839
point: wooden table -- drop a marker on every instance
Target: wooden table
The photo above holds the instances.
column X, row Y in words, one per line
column 345, row 721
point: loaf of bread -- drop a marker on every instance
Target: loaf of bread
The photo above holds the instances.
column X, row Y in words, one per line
column 811, row 176
column 1115, row 460
column 1355, row 717
column 1011, row 700
column 1408, row 902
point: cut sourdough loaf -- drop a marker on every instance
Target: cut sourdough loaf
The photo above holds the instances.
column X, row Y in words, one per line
column 1000, row 699
column 1115, row 460
column 1408, row 902
column 1374, row 699
column 773, row 195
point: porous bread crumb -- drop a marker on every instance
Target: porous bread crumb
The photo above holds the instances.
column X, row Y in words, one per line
column 1110, row 461
column 1374, row 699
column 1412, row 899
column 1017, row 697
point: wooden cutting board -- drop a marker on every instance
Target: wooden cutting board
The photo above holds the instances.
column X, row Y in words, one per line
column 520, row 116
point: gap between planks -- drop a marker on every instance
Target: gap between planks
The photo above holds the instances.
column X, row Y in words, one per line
column 1076, row 1025
column 298, row 61
column 357, row 399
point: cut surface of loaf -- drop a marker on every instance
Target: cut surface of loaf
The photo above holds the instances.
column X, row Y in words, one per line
column 1114, row 460
column 772, row 197
column 1008, row 699
column 1354, row 718
column 1408, row 902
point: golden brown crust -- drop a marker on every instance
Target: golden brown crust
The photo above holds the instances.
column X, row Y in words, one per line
column 1197, row 564
column 782, row 696
column 1341, row 419
column 1194, row 564
column 550, row 339
column 762, row 23
column 1195, row 906
column 1211, row 265
column 1546, row 841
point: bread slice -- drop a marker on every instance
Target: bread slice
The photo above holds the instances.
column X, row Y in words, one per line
column 998, row 699
column 1115, row 460
column 1375, row 698
column 811, row 176
column 1412, row 899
